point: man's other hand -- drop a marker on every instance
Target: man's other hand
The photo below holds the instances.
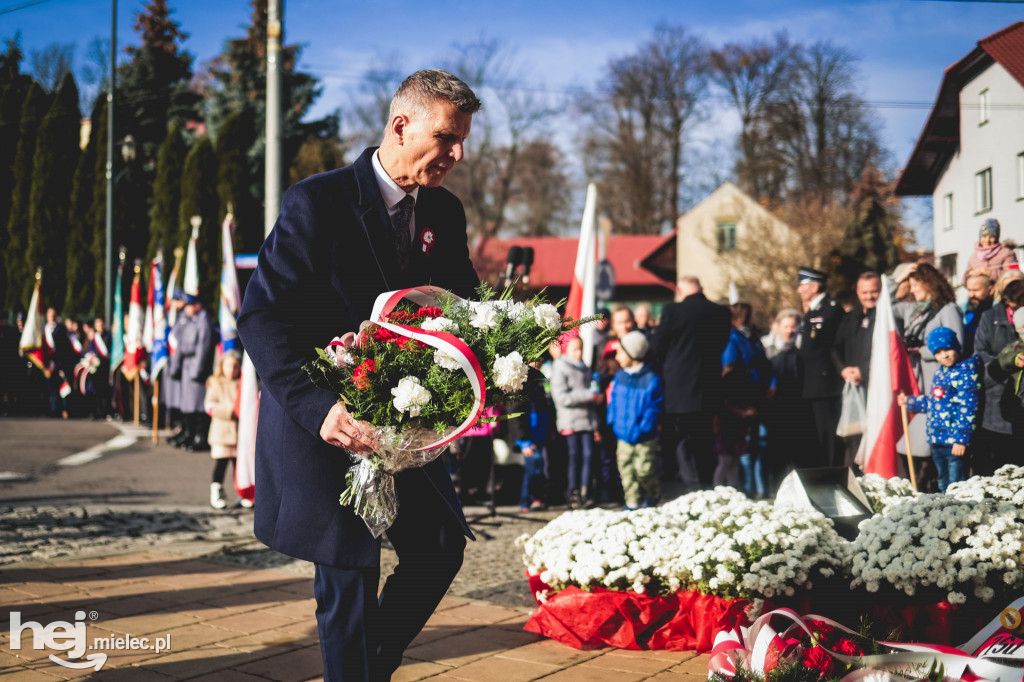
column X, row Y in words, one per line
column 340, row 430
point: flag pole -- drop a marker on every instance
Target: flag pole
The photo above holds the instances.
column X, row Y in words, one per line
column 156, row 410
column 135, row 390
column 910, row 457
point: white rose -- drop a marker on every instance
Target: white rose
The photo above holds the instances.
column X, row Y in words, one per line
column 410, row 396
column 546, row 316
column 445, row 361
column 484, row 317
column 438, row 324
column 509, row 372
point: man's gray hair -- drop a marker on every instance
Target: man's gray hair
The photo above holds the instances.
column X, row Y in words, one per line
column 424, row 87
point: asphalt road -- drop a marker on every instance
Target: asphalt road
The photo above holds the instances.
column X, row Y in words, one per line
column 42, row 462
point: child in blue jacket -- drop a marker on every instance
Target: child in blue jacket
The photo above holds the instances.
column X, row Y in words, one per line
column 952, row 406
column 633, row 412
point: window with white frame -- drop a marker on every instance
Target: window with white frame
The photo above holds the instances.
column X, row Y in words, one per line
column 947, row 266
column 983, row 190
column 983, row 107
column 1020, row 175
column 726, row 237
column 947, row 211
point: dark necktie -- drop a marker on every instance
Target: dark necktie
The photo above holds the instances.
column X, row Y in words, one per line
column 401, row 223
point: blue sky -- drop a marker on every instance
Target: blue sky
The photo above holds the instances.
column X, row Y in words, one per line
column 904, row 45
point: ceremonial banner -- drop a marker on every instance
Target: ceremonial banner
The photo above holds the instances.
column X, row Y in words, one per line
column 31, row 344
column 191, row 283
column 156, row 320
column 172, row 287
column 230, row 296
column 117, row 327
column 133, row 348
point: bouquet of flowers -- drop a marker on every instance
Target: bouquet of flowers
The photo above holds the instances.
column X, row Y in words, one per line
column 421, row 371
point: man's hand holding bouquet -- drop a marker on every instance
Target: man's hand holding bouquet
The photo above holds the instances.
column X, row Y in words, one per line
column 419, row 374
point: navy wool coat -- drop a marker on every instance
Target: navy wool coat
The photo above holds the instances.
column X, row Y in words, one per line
column 327, row 259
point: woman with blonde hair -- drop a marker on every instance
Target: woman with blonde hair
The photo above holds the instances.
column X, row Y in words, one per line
column 221, row 392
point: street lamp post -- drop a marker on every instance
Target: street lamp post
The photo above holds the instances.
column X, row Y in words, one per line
column 128, row 151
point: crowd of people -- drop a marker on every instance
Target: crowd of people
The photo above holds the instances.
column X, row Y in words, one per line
column 76, row 379
column 703, row 397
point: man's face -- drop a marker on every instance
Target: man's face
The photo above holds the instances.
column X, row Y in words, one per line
column 431, row 144
column 642, row 316
column 622, row 323
column 979, row 291
column 51, row 315
column 807, row 291
column 867, row 292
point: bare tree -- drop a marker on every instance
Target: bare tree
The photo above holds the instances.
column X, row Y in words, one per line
column 540, row 200
column 369, row 115
column 756, row 75
column 637, row 130
column 51, row 64
column 514, row 111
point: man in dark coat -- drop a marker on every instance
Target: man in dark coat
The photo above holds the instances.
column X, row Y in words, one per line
column 993, row 443
column 852, row 348
column 822, row 383
column 980, row 290
column 688, row 348
column 342, row 238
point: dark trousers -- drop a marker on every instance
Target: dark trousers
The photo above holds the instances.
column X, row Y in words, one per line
column 991, row 450
column 363, row 636
column 693, row 445
column 581, row 457
column 827, row 447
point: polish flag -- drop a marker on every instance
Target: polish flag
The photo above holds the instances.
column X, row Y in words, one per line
column 133, row 347
column 890, row 375
column 581, row 293
column 247, row 409
column 230, row 296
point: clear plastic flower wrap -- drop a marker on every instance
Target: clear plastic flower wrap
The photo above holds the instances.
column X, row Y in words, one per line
column 370, row 483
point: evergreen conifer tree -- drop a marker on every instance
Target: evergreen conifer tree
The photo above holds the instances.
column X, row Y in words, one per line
column 163, row 225
column 54, row 165
column 14, row 87
column 239, row 85
column 98, row 212
column 81, row 262
column 199, row 197
column 869, row 239
column 233, row 181
column 19, row 271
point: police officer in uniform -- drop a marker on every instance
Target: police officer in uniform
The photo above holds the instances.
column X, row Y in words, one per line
column 822, row 383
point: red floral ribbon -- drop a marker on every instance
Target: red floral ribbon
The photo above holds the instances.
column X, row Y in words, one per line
column 760, row 647
column 443, row 341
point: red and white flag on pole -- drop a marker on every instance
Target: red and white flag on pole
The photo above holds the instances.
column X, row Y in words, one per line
column 32, row 344
column 581, row 292
column 133, row 348
column 248, row 410
column 890, row 375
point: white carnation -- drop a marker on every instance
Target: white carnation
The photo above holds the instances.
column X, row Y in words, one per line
column 410, row 396
column 510, row 372
column 484, row 317
column 438, row 324
column 546, row 316
column 445, row 361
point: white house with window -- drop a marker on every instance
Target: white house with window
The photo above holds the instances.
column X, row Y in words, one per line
column 970, row 155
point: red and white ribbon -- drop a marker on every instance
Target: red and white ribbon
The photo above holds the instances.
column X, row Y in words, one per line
column 759, row 647
column 442, row 341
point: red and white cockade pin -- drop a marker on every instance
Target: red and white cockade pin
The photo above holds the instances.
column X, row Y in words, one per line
column 427, row 238
column 938, row 392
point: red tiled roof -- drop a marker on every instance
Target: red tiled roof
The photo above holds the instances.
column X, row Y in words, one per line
column 1007, row 48
column 941, row 135
column 555, row 257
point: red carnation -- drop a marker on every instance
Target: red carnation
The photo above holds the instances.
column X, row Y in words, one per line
column 820, row 660
column 400, row 316
column 429, row 311
column 847, row 647
column 405, row 340
column 386, row 335
column 359, row 377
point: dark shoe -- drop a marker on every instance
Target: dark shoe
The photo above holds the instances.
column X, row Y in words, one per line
column 575, row 501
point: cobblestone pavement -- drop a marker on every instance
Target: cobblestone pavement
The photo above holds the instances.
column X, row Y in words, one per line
column 492, row 571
